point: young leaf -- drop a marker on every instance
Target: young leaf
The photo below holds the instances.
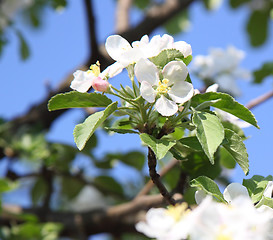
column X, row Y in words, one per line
column 159, row 146
column 265, row 71
column 227, row 104
column 209, row 186
column 168, row 55
column 209, row 131
column 256, row 186
column 76, row 99
column 237, row 149
column 84, row 131
column 24, row 49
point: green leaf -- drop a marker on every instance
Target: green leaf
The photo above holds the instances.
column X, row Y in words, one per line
column 7, row 185
column 197, row 164
column 237, row 149
column 256, row 186
column 168, row 55
column 58, row 4
column 257, row 27
column 24, row 49
column 192, row 143
column 209, row 131
column 108, row 184
column 71, row 187
column 265, row 71
column 120, row 130
column 134, row 159
column 227, row 104
column 226, row 159
column 180, row 22
column 39, row 190
column 212, row 4
column 237, row 3
column 76, row 99
column 159, row 146
column 209, row 186
column 84, row 131
column 142, row 4
column 265, row 201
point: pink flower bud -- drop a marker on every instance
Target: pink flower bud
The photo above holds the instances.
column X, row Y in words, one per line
column 100, row 85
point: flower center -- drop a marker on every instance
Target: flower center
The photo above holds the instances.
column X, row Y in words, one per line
column 163, row 86
column 178, row 211
column 94, row 69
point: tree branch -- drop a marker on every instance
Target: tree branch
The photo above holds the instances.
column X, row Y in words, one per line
column 149, row 185
column 122, row 15
column 257, row 101
column 115, row 220
column 156, row 177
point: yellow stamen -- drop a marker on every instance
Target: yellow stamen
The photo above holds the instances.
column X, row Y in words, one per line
column 223, row 235
column 178, row 211
column 95, row 69
column 163, row 86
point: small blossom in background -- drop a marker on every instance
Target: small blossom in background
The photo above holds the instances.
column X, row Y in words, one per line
column 170, row 90
column 221, row 67
column 8, row 9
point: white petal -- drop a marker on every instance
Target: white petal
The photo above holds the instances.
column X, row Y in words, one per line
column 268, row 192
column 233, row 191
column 147, row 92
column 165, row 106
column 183, row 47
column 181, row 92
column 131, row 56
column 82, row 81
column 212, row 88
column 145, row 70
column 175, row 71
column 112, row 70
column 116, row 45
column 200, row 195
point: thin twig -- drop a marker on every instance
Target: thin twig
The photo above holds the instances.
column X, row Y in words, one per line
column 156, row 177
column 257, row 101
column 149, row 185
column 93, row 43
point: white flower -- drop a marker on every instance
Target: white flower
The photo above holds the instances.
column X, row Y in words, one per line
column 238, row 220
column 222, row 67
column 166, row 224
column 172, row 89
column 83, row 80
column 121, row 51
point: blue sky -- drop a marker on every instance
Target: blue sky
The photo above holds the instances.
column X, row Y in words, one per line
column 60, row 46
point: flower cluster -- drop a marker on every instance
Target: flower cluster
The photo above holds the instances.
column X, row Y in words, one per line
column 221, row 67
column 164, row 88
column 237, row 220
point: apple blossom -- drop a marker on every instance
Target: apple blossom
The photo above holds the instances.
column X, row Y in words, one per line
column 238, row 220
column 166, row 224
column 166, row 92
column 83, row 80
column 222, row 67
column 121, row 51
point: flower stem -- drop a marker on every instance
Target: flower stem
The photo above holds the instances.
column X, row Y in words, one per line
column 156, row 177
